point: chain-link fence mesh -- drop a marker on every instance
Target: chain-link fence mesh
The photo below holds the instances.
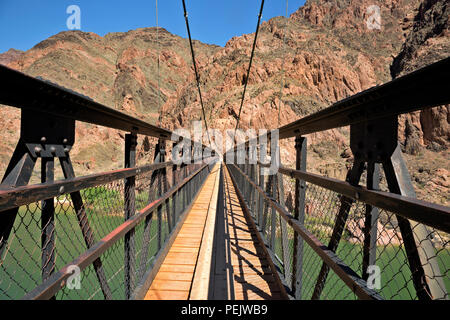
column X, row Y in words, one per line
column 39, row 245
column 325, row 214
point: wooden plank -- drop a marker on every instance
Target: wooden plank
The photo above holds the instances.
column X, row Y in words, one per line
column 172, row 285
column 184, row 249
column 201, row 281
column 242, row 271
column 175, row 276
column 166, row 295
column 178, row 276
column 177, row 268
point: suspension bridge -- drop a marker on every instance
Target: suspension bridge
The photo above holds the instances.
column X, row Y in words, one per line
column 216, row 229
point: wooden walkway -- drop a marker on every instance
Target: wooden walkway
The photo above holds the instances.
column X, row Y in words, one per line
column 216, row 254
column 241, row 269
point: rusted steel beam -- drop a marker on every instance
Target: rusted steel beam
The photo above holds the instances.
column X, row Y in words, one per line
column 55, row 282
column 129, row 211
column 350, row 278
column 15, row 197
column 424, row 88
column 353, row 177
column 50, row 98
column 428, row 213
column 150, row 274
column 86, row 230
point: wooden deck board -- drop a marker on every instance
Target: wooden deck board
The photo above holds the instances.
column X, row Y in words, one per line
column 242, row 271
column 174, row 278
column 215, row 257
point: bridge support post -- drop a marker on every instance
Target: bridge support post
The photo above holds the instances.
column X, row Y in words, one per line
column 273, row 177
column 130, row 208
column 175, row 195
column 420, row 251
column 53, row 138
column 371, row 221
column 161, row 184
column 299, row 214
column 48, row 222
column 375, row 142
column 353, row 177
column 165, row 187
column 287, row 263
column 18, row 173
column 148, row 220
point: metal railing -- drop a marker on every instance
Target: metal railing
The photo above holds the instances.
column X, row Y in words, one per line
column 101, row 236
column 332, row 239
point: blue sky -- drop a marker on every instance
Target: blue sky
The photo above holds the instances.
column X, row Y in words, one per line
column 24, row 23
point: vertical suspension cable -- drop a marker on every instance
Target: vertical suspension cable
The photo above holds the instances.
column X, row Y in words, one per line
column 249, row 66
column 195, row 70
column 282, row 65
column 158, row 49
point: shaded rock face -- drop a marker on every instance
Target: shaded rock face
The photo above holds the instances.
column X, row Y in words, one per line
column 428, row 42
column 10, row 56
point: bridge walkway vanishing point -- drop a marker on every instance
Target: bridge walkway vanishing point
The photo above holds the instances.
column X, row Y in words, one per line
column 216, row 254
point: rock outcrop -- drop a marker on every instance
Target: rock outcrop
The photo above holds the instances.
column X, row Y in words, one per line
column 428, row 42
column 10, row 56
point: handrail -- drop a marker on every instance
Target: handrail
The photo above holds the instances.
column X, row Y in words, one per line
column 424, row 88
column 54, row 283
column 16, row 197
column 12, row 198
column 23, row 91
column 26, row 92
column 428, row 213
column 421, row 89
column 351, row 279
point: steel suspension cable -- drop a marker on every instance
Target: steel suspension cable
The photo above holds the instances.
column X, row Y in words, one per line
column 195, row 70
column 249, row 66
column 282, row 65
column 158, row 49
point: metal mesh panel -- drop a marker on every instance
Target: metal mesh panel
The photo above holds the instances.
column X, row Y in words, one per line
column 323, row 212
column 77, row 225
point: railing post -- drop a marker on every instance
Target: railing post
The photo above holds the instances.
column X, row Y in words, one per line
column 273, row 219
column 161, row 149
column 175, row 195
column 370, row 221
column 48, row 222
column 146, row 237
column 260, row 202
column 247, row 172
column 130, row 203
column 287, row 267
column 420, row 251
column 299, row 214
column 189, row 184
column 165, row 186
